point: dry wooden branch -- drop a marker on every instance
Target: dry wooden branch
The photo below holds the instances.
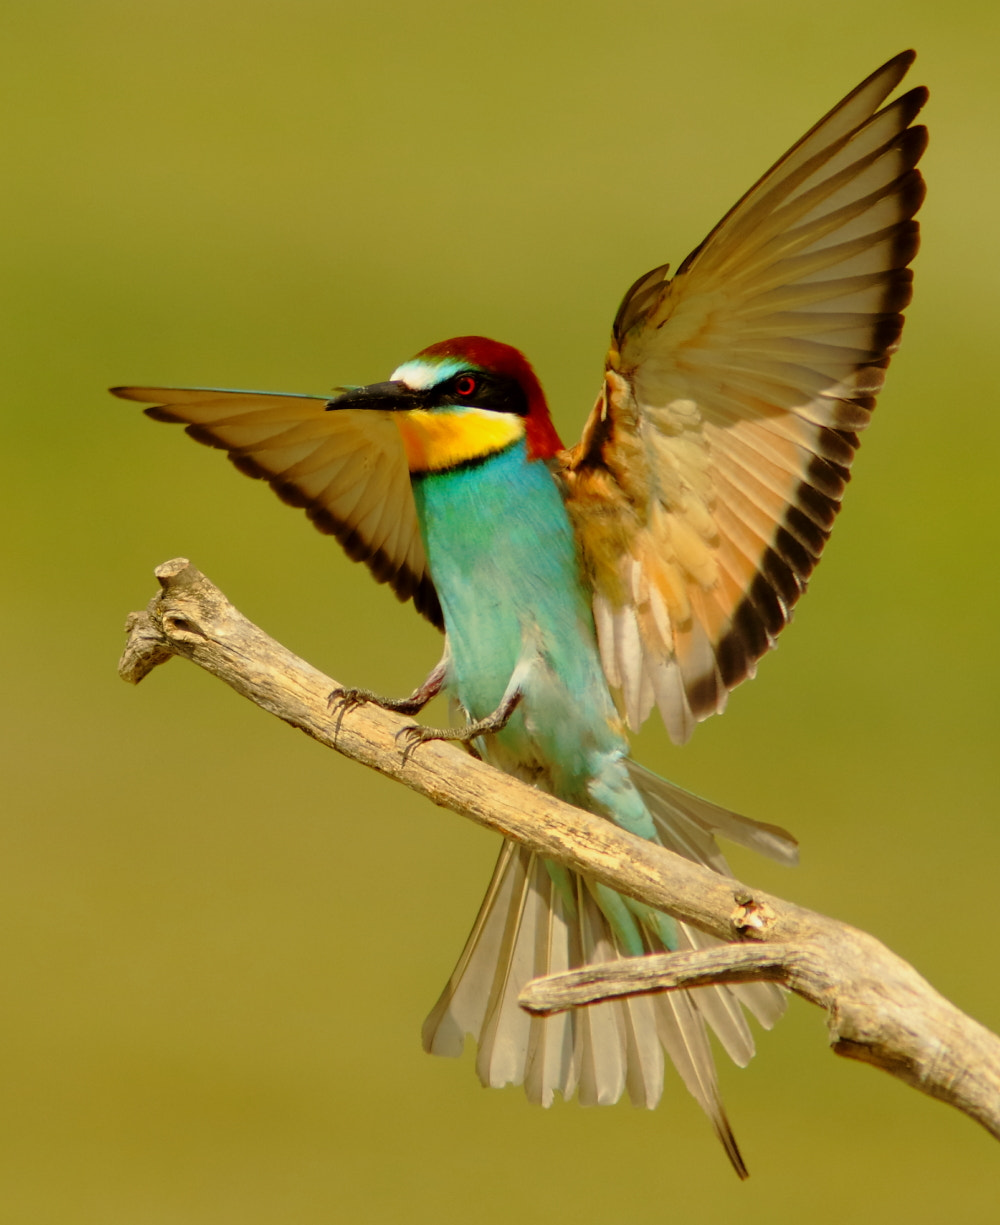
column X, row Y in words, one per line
column 880, row 1010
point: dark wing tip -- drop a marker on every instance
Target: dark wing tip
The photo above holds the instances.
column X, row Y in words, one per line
column 913, row 101
column 162, row 413
column 897, row 67
column 637, row 299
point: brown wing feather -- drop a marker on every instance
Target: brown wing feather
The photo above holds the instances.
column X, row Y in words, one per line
column 346, row 469
column 712, row 468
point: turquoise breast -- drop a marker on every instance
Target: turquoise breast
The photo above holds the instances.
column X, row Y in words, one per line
column 504, row 562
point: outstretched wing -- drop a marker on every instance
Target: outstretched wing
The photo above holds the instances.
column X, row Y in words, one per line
column 712, row 467
column 347, row 469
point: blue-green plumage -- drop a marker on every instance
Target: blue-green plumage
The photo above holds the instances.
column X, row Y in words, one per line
column 518, row 609
column 504, row 562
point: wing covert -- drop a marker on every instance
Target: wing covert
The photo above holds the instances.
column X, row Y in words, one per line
column 347, row 469
column 712, row 468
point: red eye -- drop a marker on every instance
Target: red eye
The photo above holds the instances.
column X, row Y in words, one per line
column 465, row 385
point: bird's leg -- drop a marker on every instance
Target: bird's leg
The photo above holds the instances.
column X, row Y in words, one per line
column 345, row 699
column 414, row 735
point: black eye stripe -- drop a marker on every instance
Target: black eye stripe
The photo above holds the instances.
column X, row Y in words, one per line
column 494, row 392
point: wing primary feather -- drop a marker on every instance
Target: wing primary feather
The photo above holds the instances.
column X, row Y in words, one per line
column 350, row 476
column 777, row 366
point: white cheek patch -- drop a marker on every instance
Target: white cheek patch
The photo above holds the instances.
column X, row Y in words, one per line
column 418, row 376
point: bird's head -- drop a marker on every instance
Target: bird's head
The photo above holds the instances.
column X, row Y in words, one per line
column 459, row 401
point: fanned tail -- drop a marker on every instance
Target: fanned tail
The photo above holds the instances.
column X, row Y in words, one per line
column 538, row 919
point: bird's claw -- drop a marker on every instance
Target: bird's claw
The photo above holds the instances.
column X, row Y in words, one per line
column 413, row 736
column 345, row 698
column 342, row 699
column 349, row 698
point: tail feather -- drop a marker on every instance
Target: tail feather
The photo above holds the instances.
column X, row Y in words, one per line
column 643, row 1051
column 682, row 1033
column 720, row 1008
column 764, row 1001
column 599, row 1031
column 529, row 926
column 551, row 1061
column 504, row 1039
column 681, row 817
column 524, row 931
column 461, row 1008
column 687, row 824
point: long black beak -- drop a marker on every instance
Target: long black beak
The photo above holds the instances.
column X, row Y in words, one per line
column 390, row 397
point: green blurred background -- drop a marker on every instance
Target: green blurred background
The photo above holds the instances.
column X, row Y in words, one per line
column 218, row 940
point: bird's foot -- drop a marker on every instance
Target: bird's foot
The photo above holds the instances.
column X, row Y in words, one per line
column 341, row 700
column 413, row 736
column 344, row 699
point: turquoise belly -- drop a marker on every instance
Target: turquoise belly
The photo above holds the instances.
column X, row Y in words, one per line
column 504, row 562
column 503, row 559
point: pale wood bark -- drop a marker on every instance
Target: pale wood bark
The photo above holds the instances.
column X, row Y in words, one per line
column 880, row 1010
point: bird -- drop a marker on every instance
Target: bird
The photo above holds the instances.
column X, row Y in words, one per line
column 653, row 563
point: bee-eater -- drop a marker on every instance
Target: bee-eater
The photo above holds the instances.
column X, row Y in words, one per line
column 651, row 564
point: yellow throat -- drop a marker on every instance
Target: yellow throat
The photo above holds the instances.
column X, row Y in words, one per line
column 440, row 439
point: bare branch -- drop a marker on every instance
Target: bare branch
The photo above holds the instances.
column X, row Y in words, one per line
column 880, row 1010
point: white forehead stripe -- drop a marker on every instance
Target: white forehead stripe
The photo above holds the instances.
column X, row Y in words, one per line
column 419, row 375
